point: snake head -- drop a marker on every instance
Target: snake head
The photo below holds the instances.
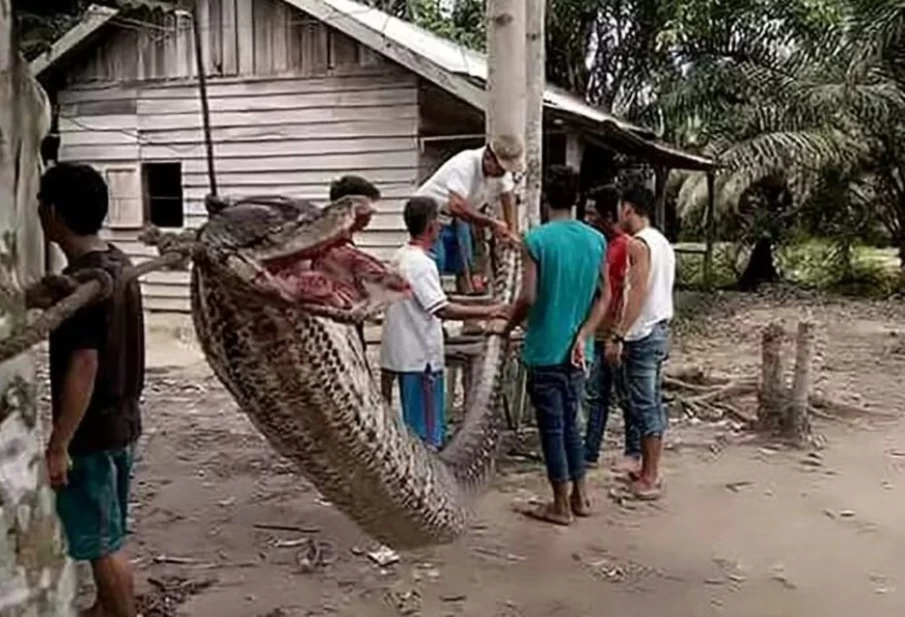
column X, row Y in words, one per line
column 291, row 251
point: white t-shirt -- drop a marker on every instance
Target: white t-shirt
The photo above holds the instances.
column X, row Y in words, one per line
column 464, row 174
column 412, row 333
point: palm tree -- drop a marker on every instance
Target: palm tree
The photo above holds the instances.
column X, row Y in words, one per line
column 799, row 109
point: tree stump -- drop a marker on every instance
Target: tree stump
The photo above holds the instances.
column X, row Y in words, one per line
column 784, row 411
column 797, row 424
column 772, row 396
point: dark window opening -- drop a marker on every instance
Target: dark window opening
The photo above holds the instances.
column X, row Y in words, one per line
column 163, row 194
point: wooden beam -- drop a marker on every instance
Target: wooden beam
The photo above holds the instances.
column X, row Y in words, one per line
column 574, row 150
column 709, row 229
column 95, row 17
column 661, row 174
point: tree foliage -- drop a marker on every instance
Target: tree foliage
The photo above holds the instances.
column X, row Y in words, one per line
column 803, row 95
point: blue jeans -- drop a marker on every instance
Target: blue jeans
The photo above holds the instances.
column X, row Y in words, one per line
column 598, row 392
column 640, row 380
column 554, row 392
column 447, row 251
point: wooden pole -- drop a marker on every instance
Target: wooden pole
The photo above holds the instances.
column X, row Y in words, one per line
column 202, row 90
column 534, row 129
column 36, row 577
column 771, row 412
column 709, row 229
column 661, row 174
column 798, row 425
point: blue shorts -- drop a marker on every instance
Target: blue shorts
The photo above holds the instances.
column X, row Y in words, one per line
column 447, row 253
column 94, row 504
column 423, row 399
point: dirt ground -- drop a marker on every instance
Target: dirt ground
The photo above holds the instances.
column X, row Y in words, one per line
column 745, row 528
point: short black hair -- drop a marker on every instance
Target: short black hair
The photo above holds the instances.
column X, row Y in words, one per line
column 641, row 198
column 561, row 187
column 418, row 214
column 78, row 194
column 606, row 201
column 353, row 185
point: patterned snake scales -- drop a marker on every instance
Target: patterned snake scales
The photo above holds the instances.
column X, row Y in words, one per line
column 304, row 382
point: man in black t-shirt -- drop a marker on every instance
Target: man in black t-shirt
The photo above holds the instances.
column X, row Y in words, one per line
column 96, row 379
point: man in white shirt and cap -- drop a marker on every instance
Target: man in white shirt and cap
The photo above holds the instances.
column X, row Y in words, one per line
column 461, row 186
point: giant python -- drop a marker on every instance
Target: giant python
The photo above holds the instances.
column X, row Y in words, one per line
column 276, row 287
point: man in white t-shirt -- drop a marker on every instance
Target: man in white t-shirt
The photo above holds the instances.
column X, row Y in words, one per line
column 461, row 186
column 411, row 350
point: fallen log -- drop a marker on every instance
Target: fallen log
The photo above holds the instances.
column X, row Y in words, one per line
column 730, row 390
column 839, row 409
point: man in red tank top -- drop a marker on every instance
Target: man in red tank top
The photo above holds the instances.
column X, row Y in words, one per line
column 603, row 214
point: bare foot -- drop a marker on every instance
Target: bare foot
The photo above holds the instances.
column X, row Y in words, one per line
column 580, row 507
column 548, row 514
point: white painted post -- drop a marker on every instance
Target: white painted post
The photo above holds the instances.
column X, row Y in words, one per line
column 534, row 129
column 36, row 578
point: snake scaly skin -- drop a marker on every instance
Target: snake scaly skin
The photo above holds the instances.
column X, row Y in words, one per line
column 300, row 374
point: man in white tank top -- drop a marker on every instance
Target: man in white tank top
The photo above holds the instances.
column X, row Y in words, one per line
column 640, row 341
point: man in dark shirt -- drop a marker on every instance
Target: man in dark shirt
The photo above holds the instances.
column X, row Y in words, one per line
column 348, row 186
column 96, row 376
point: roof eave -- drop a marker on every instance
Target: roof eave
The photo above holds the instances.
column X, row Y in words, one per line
column 95, row 18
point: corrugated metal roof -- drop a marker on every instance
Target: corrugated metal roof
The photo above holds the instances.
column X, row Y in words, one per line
column 95, row 18
column 463, row 72
column 456, row 58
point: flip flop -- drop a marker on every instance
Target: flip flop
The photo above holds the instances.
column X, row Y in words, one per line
column 542, row 513
column 632, row 476
column 646, row 494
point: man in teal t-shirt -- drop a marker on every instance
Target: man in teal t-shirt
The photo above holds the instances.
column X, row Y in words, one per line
column 564, row 268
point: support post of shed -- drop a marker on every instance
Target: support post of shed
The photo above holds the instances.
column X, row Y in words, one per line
column 709, row 229
column 574, row 150
column 661, row 174
column 574, row 157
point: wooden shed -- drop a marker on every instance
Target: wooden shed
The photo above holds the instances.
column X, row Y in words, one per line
column 301, row 92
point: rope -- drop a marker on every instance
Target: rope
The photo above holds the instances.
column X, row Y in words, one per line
column 86, row 293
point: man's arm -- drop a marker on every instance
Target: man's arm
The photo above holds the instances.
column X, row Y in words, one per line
column 459, row 208
column 616, row 308
column 639, row 268
column 600, row 307
column 463, row 312
column 507, row 200
column 75, row 394
column 527, row 295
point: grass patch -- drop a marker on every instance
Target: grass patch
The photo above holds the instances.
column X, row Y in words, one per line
column 813, row 264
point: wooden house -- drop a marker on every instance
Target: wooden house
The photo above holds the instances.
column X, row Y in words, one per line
column 301, row 92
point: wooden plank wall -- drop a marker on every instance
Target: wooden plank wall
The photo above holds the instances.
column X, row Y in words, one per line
column 239, row 37
column 328, row 109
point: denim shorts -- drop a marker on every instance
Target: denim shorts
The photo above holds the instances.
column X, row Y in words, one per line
column 640, row 379
column 94, row 504
column 455, row 239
